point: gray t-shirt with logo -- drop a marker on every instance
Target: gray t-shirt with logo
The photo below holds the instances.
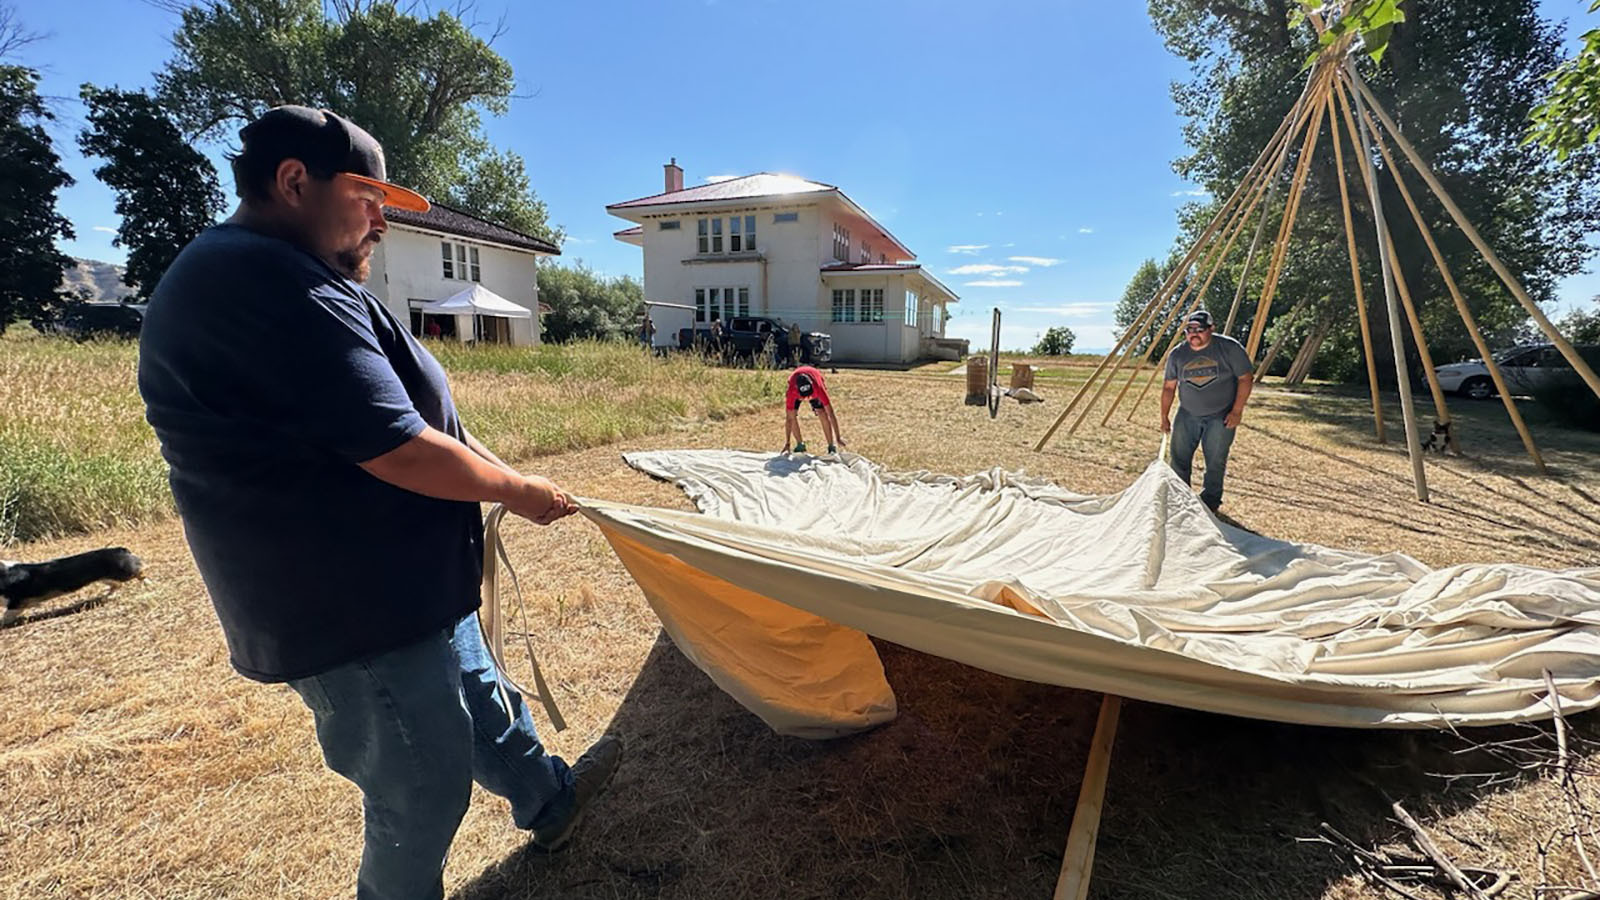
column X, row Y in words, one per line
column 1208, row 379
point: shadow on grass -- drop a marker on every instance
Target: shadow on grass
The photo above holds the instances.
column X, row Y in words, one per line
column 970, row 793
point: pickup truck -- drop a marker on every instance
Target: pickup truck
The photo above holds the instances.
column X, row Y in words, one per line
column 755, row 337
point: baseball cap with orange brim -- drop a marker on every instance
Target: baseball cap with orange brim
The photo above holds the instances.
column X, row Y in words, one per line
column 329, row 145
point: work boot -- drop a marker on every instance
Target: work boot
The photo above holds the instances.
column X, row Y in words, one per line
column 800, row 447
column 832, row 450
column 590, row 777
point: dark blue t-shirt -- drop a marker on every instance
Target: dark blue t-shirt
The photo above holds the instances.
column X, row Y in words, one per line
column 267, row 377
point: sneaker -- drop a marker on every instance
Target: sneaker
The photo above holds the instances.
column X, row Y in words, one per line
column 832, row 450
column 800, row 447
column 590, row 777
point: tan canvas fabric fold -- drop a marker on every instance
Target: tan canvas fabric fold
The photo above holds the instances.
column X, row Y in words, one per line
column 1142, row 593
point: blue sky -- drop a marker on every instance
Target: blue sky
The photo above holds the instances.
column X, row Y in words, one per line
column 1023, row 149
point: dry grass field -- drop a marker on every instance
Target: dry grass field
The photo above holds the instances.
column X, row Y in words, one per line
column 134, row 763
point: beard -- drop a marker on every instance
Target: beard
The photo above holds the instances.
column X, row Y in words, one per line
column 356, row 262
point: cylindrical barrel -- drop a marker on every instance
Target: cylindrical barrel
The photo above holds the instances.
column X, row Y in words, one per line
column 1021, row 375
column 977, row 380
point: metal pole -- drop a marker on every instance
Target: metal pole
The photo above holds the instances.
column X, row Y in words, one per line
column 1396, row 340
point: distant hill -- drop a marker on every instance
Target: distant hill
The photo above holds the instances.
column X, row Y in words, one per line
column 102, row 280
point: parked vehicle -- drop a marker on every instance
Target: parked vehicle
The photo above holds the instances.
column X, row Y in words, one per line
column 83, row 321
column 1525, row 368
column 758, row 337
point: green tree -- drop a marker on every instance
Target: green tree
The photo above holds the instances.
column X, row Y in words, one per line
column 584, row 304
column 1460, row 78
column 31, row 267
column 166, row 191
column 1582, row 327
column 1570, row 117
column 418, row 85
column 1056, row 341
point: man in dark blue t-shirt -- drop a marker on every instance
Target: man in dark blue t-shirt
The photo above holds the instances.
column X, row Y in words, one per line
column 1211, row 374
column 329, row 493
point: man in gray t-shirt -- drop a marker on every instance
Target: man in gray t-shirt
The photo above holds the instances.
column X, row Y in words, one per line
column 1212, row 375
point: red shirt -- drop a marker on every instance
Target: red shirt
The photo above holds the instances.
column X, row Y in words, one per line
column 819, row 391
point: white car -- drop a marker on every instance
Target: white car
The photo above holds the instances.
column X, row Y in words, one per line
column 1525, row 368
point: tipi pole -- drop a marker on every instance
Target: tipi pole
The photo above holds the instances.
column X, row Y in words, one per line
column 1461, row 306
column 1277, row 346
column 1078, row 860
column 1291, row 212
column 1235, row 229
column 1355, row 278
column 1538, row 316
column 1369, row 171
column 1261, row 180
column 1413, row 443
column 1283, row 133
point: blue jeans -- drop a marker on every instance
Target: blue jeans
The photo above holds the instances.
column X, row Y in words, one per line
column 413, row 729
column 1210, row 434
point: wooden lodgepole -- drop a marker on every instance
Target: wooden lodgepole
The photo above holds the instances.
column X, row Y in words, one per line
column 1106, row 383
column 1277, row 346
column 1561, row 343
column 1078, row 860
column 1461, row 304
column 1172, row 280
column 1235, row 229
column 1291, row 212
column 1407, row 409
column 1418, row 336
column 1355, row 278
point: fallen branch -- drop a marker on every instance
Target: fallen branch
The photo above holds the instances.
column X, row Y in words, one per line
column 1426, row 845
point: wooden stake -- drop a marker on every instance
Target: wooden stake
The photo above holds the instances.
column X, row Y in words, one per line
column 1078, row 860
column 1355, row 278
column 1272, row 352
column 1561, row 343
column 1461, row 304
column 1407, row 410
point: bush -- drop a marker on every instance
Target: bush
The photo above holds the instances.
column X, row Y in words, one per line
column 1055, row 342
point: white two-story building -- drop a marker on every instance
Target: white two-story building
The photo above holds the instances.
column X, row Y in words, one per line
column 787, row 248
column 429, row 257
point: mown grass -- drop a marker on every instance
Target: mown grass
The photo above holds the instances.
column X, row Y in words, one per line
column 76, row 454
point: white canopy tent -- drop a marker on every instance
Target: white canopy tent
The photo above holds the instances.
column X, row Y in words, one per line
column 473, row 305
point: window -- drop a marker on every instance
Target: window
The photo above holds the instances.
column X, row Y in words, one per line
column 785, row 217
column 866, row 252
column 721, row 303
column 735, row 234
column 716, row 235
column 670, row 225
column 882, row 259
column 911, row 308
column 460, row 262
column 841, row 243
column 872, row 304
column 844, row 305
column 701, row 227
column 749, row 232
column 744, row 301
column 700, row 302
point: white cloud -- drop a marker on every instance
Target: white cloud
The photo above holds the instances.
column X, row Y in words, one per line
column 987, row 269
column 1086, row 231
column 969, row 249
column 1044, row 262
column 1069, row 310
column 569, row 239
column 713, row 179
column 1197, row 192
column 992, row 283
column 104, row 228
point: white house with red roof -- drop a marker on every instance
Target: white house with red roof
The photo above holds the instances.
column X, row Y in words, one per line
column 795, row 250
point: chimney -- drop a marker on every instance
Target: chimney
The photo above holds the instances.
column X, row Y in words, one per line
column 674, row 176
